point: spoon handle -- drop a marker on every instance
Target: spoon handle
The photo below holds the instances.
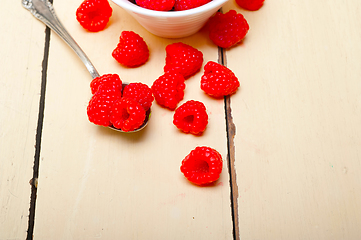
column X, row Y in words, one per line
column 44, row 11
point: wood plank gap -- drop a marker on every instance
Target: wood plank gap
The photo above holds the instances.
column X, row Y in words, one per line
column 39, row 130
column 231, row 132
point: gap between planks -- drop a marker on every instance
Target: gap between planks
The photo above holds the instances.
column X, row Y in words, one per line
column 39, row 130
column 231, row 132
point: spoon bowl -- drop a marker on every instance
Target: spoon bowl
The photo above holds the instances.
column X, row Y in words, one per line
column 44, row 11
column 147, row 116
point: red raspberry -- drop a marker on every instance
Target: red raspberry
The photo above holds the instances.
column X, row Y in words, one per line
column 158, row 5
column 168, row 89
column 181, row 5
column 141, row 93
column 218, row 81
column 111, row 80
column 99, row 108
column 191, row 117
column 127, row 115
column 226, row 30
column 183, row 59
column 252, row 5
column 131, row 51
column 94, row 15
column 203, row 165
column 107, row 89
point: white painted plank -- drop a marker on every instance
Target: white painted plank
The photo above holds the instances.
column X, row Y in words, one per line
column 298, row 121
column 97, row 183
column 21, row 49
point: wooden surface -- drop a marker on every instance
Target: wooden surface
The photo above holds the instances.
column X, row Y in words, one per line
column 292, row 154
column 21, row 53
column 298, row 121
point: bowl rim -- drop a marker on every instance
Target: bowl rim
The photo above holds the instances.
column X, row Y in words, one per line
column 127, row 5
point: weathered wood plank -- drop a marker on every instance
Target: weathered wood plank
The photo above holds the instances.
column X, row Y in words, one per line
column 97, row 183
column 298, row 121
column 21, row 50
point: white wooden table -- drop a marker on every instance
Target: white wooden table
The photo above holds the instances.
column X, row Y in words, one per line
column 290, row 137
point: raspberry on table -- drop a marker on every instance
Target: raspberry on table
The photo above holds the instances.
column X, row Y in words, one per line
column 191, row 117
column 127, row 114
column 111, row 80
column 251, row 5
column 99, row 108
column 141, row 93
column 183, row 58
column 203, row 165
column 226, row 30
column 168, row 89
column 158, row 5
column 218, row 81
column 94, row 15
column 131, row 51
column 181, row 5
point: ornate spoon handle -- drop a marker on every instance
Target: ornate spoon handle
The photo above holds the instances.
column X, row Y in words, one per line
column 44, row 11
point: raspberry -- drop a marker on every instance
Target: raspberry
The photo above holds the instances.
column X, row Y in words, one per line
column 111, row 80
column 141, row 93
column 158, row 5
column 126, row 114
column 191, row 117
column 251, row 5
column 99, row 108
column 131, row 51
column 181, row 5
column 203, row 165
column 168, row 89
column 218, row 81
column 183, row 59
column 94, row 15
column 226, row 30
column 108, row 90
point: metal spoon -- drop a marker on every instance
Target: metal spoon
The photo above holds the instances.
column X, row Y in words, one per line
column 44, row 11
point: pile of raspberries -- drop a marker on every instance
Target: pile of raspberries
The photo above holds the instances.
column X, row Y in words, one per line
column 126, row 106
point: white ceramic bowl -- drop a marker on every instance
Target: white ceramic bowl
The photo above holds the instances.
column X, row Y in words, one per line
column 172, row 24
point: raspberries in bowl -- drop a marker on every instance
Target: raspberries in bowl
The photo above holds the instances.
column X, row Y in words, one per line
column 172, row 24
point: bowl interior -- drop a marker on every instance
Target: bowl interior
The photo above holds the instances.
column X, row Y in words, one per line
column 172, row 24
column 129, row 6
